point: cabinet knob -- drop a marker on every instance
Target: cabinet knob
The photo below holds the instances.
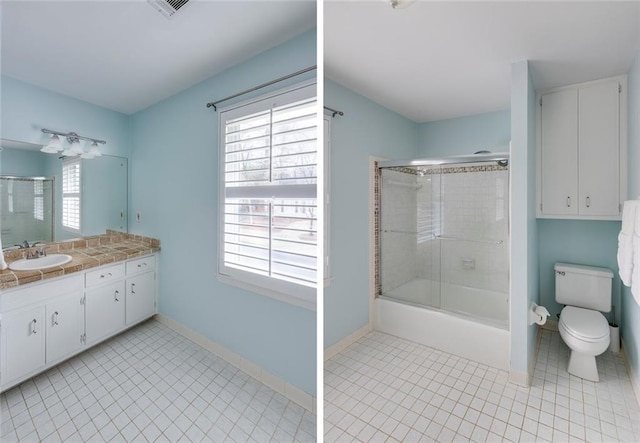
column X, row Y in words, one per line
column 568, row 202
column 588, row 202
column 115, row 295
column 55, row 318
column 33, row 326
column 133, row 285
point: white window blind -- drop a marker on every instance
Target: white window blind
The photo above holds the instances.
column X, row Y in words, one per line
column 71, row 195
column 38, row 200
column 269, row 226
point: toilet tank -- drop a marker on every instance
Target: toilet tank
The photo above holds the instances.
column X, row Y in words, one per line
column 586, row 287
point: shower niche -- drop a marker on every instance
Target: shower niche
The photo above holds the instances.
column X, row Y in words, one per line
column 443, row 236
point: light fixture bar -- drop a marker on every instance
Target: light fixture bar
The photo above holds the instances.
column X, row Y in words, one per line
column 72, row 136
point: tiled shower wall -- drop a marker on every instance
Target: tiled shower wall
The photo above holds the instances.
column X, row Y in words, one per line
column 476, row 214
column 467, row 206
column 398, row 225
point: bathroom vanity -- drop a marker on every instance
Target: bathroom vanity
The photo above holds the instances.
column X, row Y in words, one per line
column 49, row 315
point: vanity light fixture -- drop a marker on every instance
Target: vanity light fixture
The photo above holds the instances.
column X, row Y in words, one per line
column 74, row 148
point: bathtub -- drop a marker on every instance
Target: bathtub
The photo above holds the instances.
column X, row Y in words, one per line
column 471, row 323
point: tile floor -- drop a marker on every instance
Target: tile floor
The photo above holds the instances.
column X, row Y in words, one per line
column 150, row 384
column 385, row 389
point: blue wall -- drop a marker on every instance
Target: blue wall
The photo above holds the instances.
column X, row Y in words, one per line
column 587, row 242
column 630, row 322
column 26, row 109
column 175, row 188
column 367, row 129
column 466, row 135
column 23, row 163
column 524, row 235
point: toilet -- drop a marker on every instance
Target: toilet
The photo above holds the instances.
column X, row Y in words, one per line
column 586, row 293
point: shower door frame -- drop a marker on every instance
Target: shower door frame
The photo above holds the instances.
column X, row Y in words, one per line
column 377, row 164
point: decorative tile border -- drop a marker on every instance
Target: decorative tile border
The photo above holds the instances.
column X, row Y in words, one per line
column 418, row 170
column 87, row 252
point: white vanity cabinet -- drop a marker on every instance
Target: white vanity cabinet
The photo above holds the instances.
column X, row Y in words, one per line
column 104, row 302
column 23, row 343
column 41, row 324
column 44, row 323
column 141, row 289
column 64, row 326
column 582, row 151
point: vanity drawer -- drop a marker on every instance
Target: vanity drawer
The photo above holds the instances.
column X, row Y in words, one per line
column 104, row 275
column 141, row 265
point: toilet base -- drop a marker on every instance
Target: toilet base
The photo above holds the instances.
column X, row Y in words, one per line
column 583, row 366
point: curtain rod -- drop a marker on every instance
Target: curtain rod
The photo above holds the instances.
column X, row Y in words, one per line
column 264, row 85
column 334, row 112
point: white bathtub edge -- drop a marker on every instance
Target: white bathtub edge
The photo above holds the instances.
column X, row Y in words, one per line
column 445, row 332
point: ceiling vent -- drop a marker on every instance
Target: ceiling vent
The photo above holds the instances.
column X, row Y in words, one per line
column 167, row 7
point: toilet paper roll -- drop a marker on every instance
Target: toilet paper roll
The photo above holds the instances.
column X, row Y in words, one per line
column 538, row 314
column 542, row 314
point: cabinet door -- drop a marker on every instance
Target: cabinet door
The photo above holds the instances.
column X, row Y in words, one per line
column 599, row 159
column 23, row 343
column 559, row 152
column 141, row 297
column 104, row 311
column 65, row 326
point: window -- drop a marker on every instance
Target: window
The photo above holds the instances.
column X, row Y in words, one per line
column 268, row 203
column 71, row 195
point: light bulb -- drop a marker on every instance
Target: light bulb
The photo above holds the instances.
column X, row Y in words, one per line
column 54, row 145
column 75, row 148
column 94, row 151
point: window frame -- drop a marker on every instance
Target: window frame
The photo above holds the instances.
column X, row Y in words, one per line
column 297, row 294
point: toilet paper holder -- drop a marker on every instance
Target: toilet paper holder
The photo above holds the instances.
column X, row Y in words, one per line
column 538, row 314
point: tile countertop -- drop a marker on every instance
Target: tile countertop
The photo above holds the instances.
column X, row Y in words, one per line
column 86, row 252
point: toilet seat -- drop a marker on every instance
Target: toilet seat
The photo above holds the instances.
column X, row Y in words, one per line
column 584, row 324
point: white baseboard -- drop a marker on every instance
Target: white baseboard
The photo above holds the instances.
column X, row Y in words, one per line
column 635, row 378
column 276, row 383
column 519, row 378
column 346, row 342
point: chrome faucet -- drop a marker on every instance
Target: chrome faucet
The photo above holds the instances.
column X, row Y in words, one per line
column 40, row 252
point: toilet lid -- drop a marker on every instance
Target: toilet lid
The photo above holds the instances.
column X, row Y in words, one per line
column 585, row 324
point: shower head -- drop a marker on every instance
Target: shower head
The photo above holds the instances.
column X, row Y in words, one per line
column 503, row 163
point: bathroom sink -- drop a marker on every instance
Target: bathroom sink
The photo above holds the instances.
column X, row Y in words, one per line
column 34, row 264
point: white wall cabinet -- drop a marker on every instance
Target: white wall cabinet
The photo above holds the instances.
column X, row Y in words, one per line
column 582, row 151
column 44, row 323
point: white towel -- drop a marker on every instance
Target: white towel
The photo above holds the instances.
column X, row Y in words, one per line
column 635, row 277
column 625, row 241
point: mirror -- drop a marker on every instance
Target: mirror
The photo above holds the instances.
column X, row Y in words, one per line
column 31, row 195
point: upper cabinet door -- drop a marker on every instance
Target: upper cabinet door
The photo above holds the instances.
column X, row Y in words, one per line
column 599, row 140
column 559, row 152
column 582, row 158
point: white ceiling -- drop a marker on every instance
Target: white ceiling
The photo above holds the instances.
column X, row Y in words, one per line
column 438, row 60
column 125, row 56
